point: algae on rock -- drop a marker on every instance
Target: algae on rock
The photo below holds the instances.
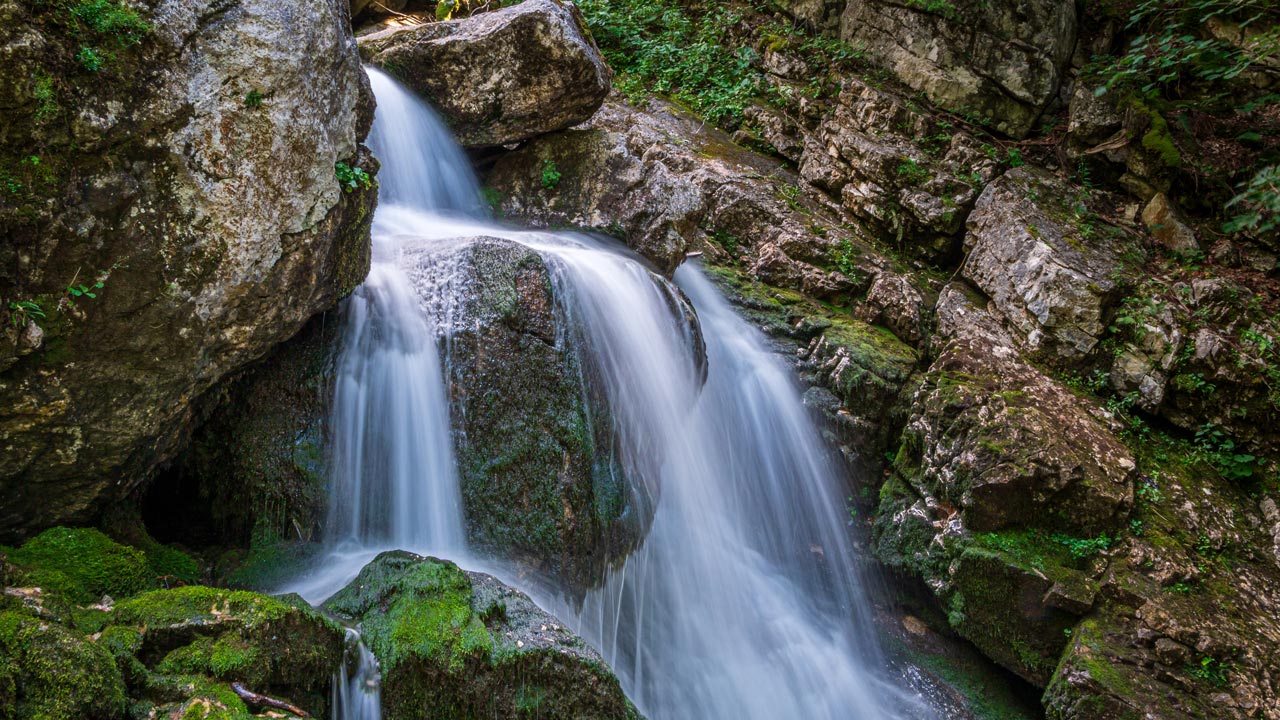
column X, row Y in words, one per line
column 460, row 644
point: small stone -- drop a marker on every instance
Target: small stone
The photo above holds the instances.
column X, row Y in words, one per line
column 1166, row 225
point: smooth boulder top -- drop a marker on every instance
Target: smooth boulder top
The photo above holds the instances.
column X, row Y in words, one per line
column 500, row 77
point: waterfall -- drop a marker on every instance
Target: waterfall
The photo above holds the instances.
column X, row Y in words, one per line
column 743, row 600
column 356, row 691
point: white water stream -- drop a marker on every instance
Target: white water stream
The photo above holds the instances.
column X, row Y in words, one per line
column 743, row 601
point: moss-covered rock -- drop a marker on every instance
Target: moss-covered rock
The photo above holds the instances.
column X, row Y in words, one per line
column 81, row 565
column 1004, row 483
column 49, row 672
column 463, row 645
column 178, row 645
column 541, row 481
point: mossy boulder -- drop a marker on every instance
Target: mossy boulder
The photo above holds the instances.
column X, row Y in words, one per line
column 81, row 565
column 177, row 644
column 542, row 482
column 463, row 645
column 50, row 672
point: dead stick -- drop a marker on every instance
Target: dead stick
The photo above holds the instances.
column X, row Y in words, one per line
column 254, row 698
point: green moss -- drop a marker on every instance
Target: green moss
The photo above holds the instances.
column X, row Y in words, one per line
column 82, row 565
column 167, row 564
column 48, row 672
column 195, row 604
column 1158, row 139
column 229, row 657
column 423, row 610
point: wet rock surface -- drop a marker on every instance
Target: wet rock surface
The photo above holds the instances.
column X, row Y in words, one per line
column 461, row 643
column 542, row 482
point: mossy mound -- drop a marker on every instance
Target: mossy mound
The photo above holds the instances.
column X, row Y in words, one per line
column 81, row 565
column 463, row 645
column 49, row 672
column 180, row 645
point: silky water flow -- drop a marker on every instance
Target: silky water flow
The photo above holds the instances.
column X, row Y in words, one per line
column 744, row 599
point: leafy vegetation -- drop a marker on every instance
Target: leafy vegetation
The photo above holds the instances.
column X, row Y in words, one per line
column 550, row 175
column 1258, row 203
column 352, row 178
column 660, row 46
column 22, row 312
column 104, row 27
column 1174, row 67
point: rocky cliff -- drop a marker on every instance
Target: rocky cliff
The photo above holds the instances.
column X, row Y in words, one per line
column 1016, row 310
column 183, row 189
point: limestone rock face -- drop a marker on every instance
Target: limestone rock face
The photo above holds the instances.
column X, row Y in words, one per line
column 1003, row 442
column 185, row 218
column 455, row 643
column 1001, row 61
column 1049, row 270
column 500, row 77
column 666, row 183
column 897, row 169
column 993, row 448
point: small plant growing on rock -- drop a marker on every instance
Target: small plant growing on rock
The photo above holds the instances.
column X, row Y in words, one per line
column 1211, row 670
column 352, row 178
column 253, row 99
column 550, row 175
column 22, row 312
column 912, row 172
column 89, row 59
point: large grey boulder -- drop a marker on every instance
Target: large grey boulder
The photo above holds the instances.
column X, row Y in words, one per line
column 185, row 176
column 998, row 60
column 500, row 77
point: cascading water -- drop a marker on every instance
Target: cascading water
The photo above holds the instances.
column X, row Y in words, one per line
column 743, row 601
column 356, row 690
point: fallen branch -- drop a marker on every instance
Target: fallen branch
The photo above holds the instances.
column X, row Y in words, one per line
column 253, row 698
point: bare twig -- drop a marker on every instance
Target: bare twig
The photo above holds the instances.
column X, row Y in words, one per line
column 253, row 698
